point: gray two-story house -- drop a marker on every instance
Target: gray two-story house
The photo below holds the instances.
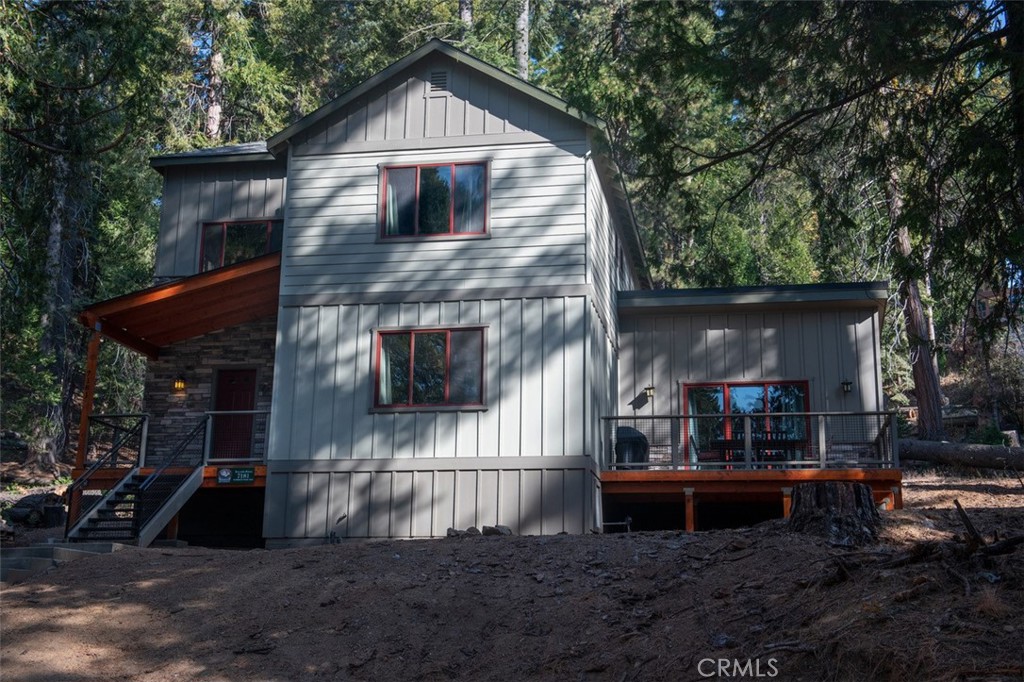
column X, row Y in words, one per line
column 424, row 306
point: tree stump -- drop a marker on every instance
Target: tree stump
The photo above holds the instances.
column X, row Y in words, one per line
column 843, row 512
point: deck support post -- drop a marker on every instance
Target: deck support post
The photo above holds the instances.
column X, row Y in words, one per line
column 822, row 455
column 691, row 522
column 787, row 501
column 897, row 497
column 171, row 531
column 88, row 396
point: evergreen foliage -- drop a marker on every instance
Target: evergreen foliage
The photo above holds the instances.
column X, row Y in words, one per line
column 764, row 143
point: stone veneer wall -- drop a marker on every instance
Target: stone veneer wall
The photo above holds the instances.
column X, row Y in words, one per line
column 172, row 414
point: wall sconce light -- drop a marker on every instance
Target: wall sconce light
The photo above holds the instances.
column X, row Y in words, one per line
column 179, row 383
column 847, row 386
column 649, row 392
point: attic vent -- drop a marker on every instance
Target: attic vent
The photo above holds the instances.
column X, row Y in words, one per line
column 438, row 81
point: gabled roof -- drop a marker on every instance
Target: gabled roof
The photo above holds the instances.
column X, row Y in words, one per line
column 275, row 147
column 434, row 45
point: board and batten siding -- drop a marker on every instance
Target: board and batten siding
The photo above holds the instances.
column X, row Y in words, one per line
column 536, row 225
column 409, row 110
column 527, row 455
column 409, row 499
column 212, row 192
column 823, row 347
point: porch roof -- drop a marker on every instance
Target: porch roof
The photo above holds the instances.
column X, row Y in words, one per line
column 150, row 319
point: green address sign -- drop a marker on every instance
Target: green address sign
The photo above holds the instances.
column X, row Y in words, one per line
column 229, row 475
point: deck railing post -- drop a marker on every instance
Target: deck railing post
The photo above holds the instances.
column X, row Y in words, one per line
column 144, row 439
column 894, row 436
column 676, row 428
column 208, row 438
column 821, row 441
column 747, row 440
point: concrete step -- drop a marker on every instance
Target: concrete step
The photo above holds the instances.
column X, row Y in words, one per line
column 22, row 565
column 19, row 563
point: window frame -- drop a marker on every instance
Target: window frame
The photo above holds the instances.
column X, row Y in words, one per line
column 378, row 347
column 728, row 416
column 223, row 224
column 724, row 385
column 384, row 169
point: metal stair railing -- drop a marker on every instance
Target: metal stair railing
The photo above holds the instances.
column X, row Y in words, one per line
column 123, row 437
column 160, row 486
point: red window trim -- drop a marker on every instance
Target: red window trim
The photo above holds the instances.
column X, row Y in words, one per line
column 724, row 385
column 223, row 224
column 378, row 405
column 416, row 203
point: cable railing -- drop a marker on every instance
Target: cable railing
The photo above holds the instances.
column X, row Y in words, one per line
column 756, row 441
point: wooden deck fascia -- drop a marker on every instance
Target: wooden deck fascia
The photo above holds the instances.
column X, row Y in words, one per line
column 670, row 486
column 104, row 479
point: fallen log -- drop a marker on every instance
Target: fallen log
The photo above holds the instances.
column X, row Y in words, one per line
column 963, row 454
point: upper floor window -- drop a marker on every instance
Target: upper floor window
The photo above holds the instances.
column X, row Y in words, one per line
column 231, row 242
column 434, row 199
column 430, row 367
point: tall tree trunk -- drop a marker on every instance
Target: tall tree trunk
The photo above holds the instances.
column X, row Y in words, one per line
column 215, row 95
column 52, row 435
column 926, row 377
column 522, row 41
column 466, row 17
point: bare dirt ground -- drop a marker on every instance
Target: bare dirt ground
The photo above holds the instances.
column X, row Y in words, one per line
column 643, row 606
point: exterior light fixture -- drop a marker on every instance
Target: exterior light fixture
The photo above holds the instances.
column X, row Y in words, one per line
column 179, row 383
column 649, row 392
column 847, row 386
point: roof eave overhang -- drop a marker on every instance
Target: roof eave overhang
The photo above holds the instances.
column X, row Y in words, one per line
column 839, row 296
column 153, row 318
column 161, row 162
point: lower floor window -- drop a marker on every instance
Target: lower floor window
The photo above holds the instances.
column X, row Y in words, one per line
column 430, row 367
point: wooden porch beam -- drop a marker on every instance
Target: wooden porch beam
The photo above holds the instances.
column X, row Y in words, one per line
column 88, row 396
column 131, row 341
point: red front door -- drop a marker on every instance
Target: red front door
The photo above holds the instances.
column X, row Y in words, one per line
column 232, row 434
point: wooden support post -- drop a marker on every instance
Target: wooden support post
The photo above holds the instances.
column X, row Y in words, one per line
column 691, row 521
column 787, row 501
column 897, row 497
column 88, row 395
column 171, row 530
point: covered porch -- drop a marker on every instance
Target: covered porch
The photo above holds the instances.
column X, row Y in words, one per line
column 210, row 342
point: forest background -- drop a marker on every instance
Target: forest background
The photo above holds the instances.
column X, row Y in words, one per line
column 763, row 143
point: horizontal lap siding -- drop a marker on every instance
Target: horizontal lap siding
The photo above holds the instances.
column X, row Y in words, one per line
column 535, row 364
column 536, row 234
column 193, row 195
column 823, row 347
column 409, row 501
